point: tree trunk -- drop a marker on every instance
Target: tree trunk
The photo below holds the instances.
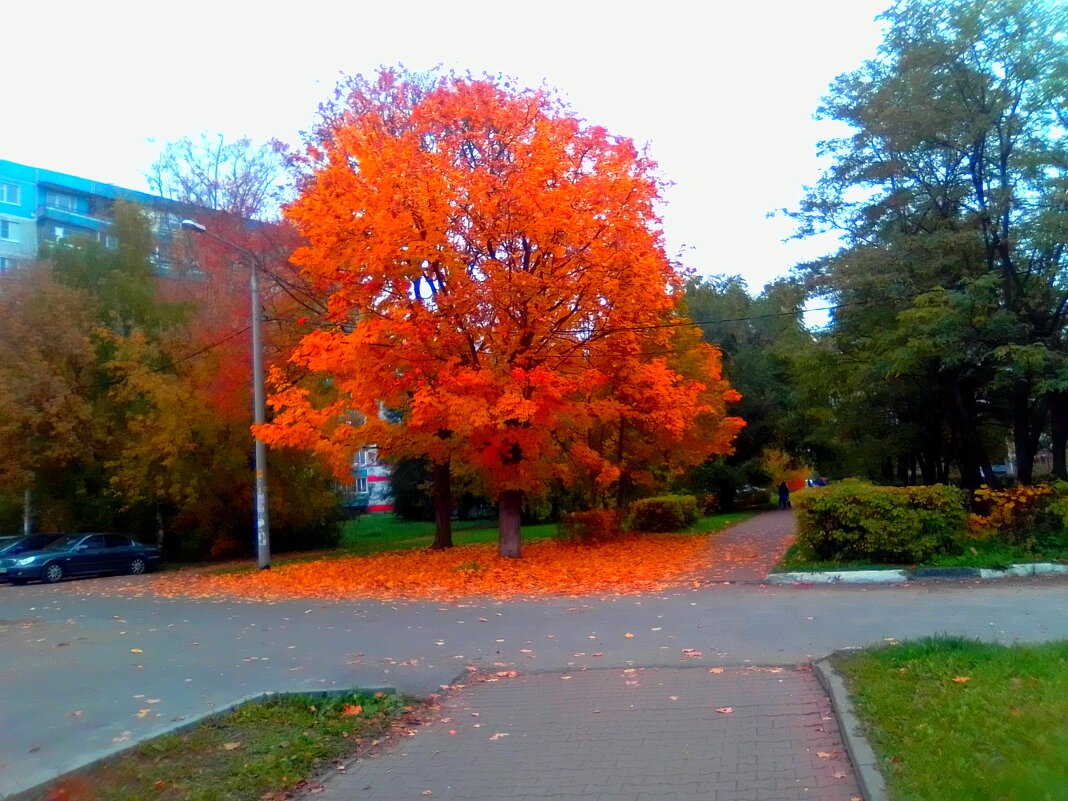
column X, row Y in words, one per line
column 1029, row 420
column 27, row 512
column 903, row 470
column 159, row 529
column 1058, row 430
column 619, row 463
column 974, row 462
column 441, row 475
column 509, row 507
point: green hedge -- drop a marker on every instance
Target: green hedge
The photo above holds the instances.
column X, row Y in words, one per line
column 665, row 513
column 852, row 520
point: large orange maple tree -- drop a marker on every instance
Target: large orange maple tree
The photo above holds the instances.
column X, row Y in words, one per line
column 493, row 269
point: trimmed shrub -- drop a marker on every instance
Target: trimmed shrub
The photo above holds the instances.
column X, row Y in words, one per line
column 665, row 513
column 1015, row 514
column 708, row 503
column 596, row 525
column 852, row 520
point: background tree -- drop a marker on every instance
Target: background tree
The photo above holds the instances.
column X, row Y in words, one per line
column 767, row 356
column 949, row 194
column 118, row 412
column 236, row 177
column 497, row 261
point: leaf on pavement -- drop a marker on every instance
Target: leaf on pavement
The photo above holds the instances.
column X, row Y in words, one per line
column 725, row 710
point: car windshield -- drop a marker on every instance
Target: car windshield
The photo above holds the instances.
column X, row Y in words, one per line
column 63, row 543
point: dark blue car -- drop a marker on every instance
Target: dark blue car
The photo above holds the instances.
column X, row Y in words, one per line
column 13, row 546
column 80, row 555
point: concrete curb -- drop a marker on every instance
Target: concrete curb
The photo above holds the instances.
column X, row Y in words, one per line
column 40, row 790
column 897, row 576
column 865, row 763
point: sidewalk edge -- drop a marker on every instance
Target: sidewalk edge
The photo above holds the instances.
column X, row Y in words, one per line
column 865, row 763
column 899, row 576
column 40, row 790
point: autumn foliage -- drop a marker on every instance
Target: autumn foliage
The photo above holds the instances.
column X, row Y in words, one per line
column 493, row 271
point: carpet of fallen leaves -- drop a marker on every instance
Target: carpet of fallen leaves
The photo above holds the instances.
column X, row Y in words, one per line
column 640, row 563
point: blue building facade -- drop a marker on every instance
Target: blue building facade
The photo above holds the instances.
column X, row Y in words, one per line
column 39, row 208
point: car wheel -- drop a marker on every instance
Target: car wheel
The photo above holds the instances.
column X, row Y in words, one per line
column 52, row 573
column 137, row 566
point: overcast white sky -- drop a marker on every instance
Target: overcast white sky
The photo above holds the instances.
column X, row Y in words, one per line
column 723, row 93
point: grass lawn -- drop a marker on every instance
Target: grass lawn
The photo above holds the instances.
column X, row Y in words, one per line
column 378, row 533
column 979, row 553
column 258, row 752
column 954, row 720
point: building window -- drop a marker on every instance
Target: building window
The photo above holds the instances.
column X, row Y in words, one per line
column 9, row 231
column 57, row 200
column 8, row 264
column 59, row 232
column 107, row 240
column 361, row 484
column 9, row 193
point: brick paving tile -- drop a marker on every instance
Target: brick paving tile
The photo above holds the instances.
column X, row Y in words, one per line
column 747, row 551
column 594, row 737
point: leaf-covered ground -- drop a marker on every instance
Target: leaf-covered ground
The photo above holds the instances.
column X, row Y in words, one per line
column 637, row 563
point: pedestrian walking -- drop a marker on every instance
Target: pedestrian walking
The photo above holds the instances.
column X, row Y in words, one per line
column 784, row 496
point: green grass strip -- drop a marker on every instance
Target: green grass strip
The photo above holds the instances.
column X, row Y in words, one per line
column 953, row 719
column 261, row 750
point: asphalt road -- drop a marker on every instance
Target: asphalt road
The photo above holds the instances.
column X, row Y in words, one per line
column 80, row 665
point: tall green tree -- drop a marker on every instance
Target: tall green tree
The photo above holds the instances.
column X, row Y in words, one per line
column 766, row 351
column 950, row 197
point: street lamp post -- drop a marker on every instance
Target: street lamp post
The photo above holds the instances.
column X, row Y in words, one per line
column 263, row 531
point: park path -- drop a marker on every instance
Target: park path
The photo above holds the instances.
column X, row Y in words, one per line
column 747, row 551
column 624, row 734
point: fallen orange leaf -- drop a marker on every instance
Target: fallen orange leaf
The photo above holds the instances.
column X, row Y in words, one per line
column 648, row 563
column 962, row 679
column 725, row 710
column 351, row 709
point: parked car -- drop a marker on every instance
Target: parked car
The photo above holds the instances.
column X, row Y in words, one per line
column 12, row 547
column 80, row 555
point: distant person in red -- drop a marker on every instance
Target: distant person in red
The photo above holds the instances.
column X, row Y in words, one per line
column 784, row 496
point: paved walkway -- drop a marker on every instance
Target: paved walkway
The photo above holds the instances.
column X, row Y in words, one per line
column 76, row 665
column 747, row 551
column 633, row 734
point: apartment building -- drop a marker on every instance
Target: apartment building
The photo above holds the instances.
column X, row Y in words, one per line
column 40, row 207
